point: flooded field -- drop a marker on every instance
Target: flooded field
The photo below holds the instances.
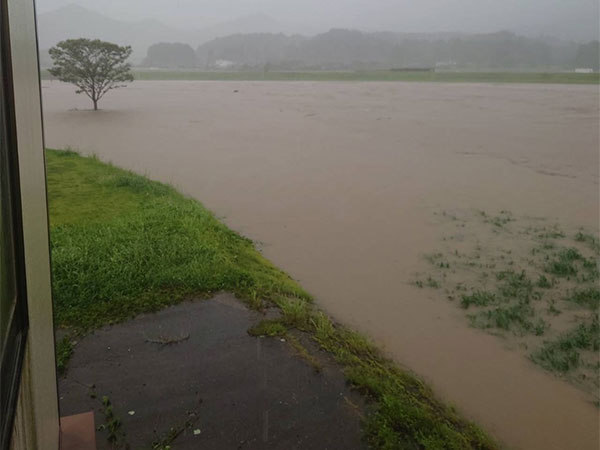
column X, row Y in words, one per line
column 350, row 186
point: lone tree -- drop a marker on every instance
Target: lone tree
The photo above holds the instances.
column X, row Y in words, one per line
column 94, row 66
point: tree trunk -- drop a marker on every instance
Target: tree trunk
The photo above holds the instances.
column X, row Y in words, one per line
column 95, row 104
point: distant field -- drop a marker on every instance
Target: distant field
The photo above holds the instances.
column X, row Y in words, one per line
column 382, row 75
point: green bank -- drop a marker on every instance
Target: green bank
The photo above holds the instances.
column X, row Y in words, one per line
column 123, row 245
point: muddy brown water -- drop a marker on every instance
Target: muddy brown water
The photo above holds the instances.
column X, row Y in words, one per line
column 339, row 182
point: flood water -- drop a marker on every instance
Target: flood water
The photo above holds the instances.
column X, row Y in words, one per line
column 339, row 183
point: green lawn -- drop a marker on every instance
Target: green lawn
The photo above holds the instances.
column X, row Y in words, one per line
column 122, row 245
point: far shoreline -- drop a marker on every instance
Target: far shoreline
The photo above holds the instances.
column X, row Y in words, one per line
column 366, row 75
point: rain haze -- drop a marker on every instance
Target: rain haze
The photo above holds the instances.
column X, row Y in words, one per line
column 425, row 171
column 566, row 19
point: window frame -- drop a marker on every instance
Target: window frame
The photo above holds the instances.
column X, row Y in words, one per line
column 13, row 349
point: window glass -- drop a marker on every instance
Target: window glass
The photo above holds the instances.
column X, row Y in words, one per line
column 7, row 269
column 13, row 315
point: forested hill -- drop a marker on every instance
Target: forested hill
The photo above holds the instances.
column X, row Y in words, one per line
column 349, row 49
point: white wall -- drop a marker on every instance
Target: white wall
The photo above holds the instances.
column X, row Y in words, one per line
column 36, row 424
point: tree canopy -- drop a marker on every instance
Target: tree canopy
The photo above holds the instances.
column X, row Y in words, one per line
column 94, row 66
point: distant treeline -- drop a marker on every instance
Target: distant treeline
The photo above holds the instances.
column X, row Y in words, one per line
column 347, row 49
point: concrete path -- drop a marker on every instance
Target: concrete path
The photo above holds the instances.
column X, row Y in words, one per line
column 240, row 392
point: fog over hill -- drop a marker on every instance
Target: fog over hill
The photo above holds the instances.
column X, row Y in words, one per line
column 351, row 49
column 256, row 39
column 73, row 21
column 566, row 19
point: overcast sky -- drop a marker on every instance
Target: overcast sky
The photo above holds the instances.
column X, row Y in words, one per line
column 573, row 19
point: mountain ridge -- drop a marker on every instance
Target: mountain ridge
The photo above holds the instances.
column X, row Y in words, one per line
column 257, row 40
column 75, row 21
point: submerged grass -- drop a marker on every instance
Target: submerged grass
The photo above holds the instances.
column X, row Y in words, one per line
column 511, row 304
column 569, row 262
column 122, row 245
column 592, row 241
column 589, row 298
column 514, row 277
column 563, row 353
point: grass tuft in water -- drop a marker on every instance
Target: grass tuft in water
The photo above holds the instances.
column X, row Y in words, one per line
column 592, row 241
column 478, row 298
column 514, row 317
column 589, row 298
column 544, row 282
column 500, row 220
column 563, row 264
column 562, row 354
